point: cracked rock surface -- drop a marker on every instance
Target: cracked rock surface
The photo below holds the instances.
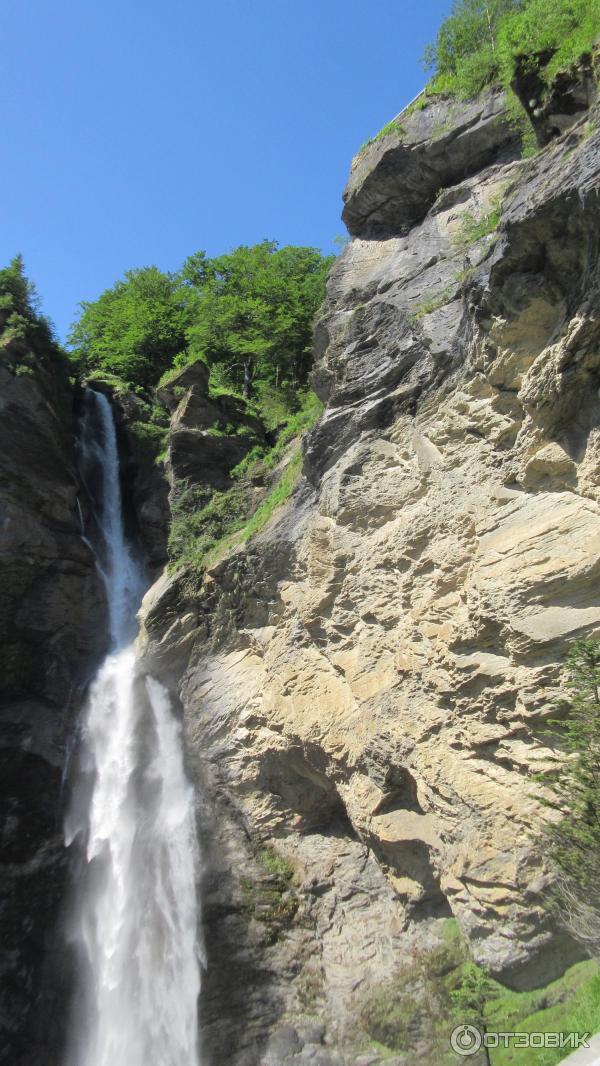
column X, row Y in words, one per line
column 365, row 684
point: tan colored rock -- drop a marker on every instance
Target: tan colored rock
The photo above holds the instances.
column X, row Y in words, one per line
column 371, row 676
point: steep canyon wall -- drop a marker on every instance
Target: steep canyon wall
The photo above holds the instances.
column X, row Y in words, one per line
column 366, row 683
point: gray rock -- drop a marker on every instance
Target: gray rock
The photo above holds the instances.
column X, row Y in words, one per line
column 395, row 179
column 312, row 1032
column 283, row 1042
column 51, row 635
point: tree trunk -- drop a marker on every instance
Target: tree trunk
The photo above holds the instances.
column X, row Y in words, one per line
column 247, row 379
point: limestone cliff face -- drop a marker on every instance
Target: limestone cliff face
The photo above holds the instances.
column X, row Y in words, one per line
column 51, row 633
column 365, row 685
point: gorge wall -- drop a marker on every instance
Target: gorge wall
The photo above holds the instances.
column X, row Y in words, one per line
column 366, row 682
column 52, row 632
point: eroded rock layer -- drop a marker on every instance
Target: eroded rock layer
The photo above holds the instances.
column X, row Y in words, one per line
column 366, row 684
column 51, row 633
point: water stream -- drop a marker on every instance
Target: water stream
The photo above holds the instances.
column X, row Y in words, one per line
column 134, row 916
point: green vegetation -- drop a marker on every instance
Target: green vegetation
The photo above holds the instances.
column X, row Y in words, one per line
column 201, row 531
column 442, row 988
column 248, row 314
column 426, row 307
column 395, row 126
column 481, row 41
column 277, row 865
column 473, row 228
column 284, row 487
column 203, row 526
column 571, row 839
column 569, row 1005
column 251, row 313
column 23, row 328
column 200, row 522
column 566, row 29
column 270, row 899
column 149, row 439
column 133, row 331
column 484, row 42
column 465, row 54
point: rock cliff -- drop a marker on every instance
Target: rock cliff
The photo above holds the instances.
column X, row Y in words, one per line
column 366, row 683
column 51, row 634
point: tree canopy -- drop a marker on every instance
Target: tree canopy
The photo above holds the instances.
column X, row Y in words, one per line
column 248, row 313
column 251, row 311
column 133, row 330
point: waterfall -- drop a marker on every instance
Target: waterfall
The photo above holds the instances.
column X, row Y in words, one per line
column 134, row 916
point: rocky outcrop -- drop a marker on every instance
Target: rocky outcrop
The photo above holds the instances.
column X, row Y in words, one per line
column 366, row 684
column 209, row 435
column 396, row 177
column 51, row 633
column 554, row 108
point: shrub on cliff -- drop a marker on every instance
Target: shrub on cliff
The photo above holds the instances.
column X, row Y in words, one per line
column 21, row 319
column 465, row 53
column 480, row 42
column 562, row 29
column 572, row 840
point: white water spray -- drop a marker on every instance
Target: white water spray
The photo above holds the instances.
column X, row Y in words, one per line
column 135, row 916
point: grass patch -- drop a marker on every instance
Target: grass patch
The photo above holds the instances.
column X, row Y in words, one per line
column 205, row 526
column 395, row 126
column 148, row 439
column 570, row 1004
column 202, row 531
column 276, row 865
column 481, row 45
column 426, row 307
column 418, row 1006
column 200, row 521
column 473, row 228
column 271, row 899
column 282, row 491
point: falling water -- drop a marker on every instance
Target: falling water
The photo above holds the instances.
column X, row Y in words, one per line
column 134, row 920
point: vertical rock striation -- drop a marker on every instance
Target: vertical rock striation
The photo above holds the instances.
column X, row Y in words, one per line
column 51, row 633
column 366, row 683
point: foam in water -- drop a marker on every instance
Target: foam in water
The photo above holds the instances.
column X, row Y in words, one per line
column 134, row 919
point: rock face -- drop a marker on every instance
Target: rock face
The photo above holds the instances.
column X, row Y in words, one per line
column 555, row 108
column 365, row 685
column 51, row 633
column 209, row 435
column 396, row 178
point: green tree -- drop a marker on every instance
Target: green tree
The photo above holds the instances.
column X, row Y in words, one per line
column 251, row 311
column 133, row 330
column 20, row 312
column 465, row 54
column 470, row 1000
column 571, row 841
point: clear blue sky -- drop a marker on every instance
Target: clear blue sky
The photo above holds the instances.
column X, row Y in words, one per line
column 135, row 133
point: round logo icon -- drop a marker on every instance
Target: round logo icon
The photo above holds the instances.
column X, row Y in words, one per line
column 465, row 1040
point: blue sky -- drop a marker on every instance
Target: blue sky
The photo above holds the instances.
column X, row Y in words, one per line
column 135, row 133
